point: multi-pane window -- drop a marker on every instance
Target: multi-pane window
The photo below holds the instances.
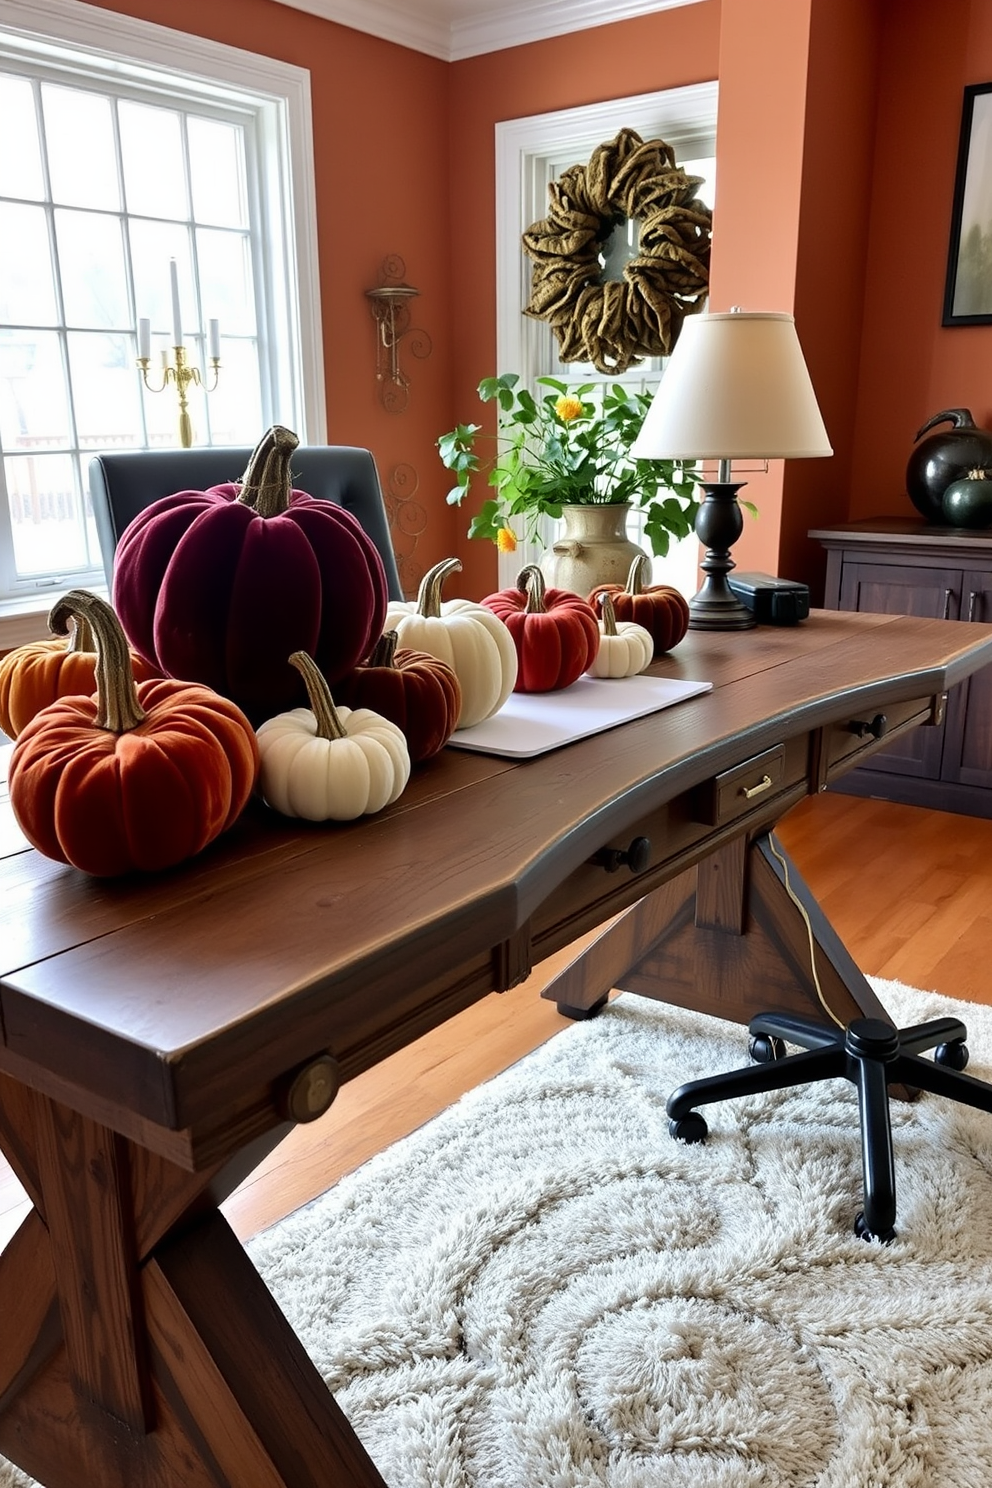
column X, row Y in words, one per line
column 127, row 159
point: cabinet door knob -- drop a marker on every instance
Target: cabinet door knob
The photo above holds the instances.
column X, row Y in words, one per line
column 869, row 727
column 973, row 598
column 947, row 604
column 637, row 856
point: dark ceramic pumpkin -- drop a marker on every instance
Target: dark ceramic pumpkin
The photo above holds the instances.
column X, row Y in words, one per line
column 968, row 502
column 945, row 457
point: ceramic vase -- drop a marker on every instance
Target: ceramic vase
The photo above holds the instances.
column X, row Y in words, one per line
column 593, row 549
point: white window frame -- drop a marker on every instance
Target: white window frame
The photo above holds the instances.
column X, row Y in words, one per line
column 97, row 43
column 530, row 153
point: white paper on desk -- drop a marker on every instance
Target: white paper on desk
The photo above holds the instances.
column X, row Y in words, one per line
column 531, row 722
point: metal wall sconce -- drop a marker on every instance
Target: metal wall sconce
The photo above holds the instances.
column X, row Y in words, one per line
column 391, row 313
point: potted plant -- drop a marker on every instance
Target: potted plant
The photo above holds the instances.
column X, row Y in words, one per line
column 565, row 452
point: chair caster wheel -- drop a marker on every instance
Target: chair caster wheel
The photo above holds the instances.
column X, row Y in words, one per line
column 864, row 1233
column 953, row 1055
column 764, row 1048
column 688, row 1128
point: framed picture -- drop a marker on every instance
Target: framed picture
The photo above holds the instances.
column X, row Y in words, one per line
column 968, row 292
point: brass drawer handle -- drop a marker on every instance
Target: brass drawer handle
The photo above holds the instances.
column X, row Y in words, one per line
column 749, row 791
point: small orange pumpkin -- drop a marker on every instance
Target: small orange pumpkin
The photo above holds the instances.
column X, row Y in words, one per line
column 139, row 776
column 417, row 692
column 34, row 675
column 556, row 632
column 661, row 609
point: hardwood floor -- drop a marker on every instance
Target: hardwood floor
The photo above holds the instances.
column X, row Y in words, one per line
column 908, row 890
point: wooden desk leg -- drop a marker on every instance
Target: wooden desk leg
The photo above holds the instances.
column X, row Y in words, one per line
column 140, row 1347
column 728, row 938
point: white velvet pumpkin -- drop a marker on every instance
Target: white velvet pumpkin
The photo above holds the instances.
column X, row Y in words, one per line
column 330, row 764
column 625, row 648
column 469, row 637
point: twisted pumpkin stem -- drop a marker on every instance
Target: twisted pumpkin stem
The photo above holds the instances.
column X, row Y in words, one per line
column 384, row 650
column 81, row 640
column 635, row 579
column 267, row 484
column 531, row 581
column 609, row 615
column 329, row 725
column 429, row 593
column 117, row 706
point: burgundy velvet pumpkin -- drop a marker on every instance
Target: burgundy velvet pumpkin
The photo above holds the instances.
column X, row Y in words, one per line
column 221, row 586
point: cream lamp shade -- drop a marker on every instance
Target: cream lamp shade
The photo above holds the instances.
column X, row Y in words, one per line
column 735, row 387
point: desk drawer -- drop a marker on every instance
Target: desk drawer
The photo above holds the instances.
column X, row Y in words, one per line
column 737, row 791
column 845, row 744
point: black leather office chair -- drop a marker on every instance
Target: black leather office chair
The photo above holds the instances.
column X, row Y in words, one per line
column 868, row 1052
column 122, row 483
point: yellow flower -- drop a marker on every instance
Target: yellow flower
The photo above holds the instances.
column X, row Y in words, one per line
column 568, row 408
column 506, row 540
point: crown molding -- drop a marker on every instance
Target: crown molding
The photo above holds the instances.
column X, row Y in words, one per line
column 449, row 36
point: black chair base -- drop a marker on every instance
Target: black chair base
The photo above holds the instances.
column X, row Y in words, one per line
column 872, row 1055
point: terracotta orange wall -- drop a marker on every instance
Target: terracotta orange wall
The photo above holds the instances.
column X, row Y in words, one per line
column 381, row 124
column 911, row 366
column 665, row 50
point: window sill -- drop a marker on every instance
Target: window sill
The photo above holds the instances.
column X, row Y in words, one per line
column 23, row 621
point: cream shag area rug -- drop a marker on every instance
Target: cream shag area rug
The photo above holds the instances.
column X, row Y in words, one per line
column 541, row 1289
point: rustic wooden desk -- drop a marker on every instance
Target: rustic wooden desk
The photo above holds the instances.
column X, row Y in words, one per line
column 160, row 1035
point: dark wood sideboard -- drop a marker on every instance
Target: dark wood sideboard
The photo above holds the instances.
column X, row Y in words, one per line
column 888, row 565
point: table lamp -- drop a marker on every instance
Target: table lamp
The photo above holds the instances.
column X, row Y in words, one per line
column 736, row 387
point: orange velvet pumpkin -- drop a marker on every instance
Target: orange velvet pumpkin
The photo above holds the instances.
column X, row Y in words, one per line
column 661, row 609
column 34, row 675
column 556, row 632
column 139, row 776
column 417, row 692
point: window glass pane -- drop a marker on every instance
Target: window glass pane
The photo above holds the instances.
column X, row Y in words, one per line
column 152, row 154
column 225, row 280
column 34, row 410
column 105, row 384
column 235, row 405
column 152, row 245
column 20, row 168
column 27, row 287
column 94, row 280
column 82, row 157
column 49, row 528
column 217, row 173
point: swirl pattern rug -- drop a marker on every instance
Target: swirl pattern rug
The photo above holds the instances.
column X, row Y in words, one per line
column 541, row 1289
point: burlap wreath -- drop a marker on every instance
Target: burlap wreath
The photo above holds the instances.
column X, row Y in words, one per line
column 614, row 323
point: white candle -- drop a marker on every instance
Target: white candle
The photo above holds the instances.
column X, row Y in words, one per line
column 177, row 323
column 213, row 339
column 144, row 338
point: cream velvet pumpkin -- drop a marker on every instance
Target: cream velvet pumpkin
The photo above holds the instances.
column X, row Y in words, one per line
column 470, row 638
column 625, row 648
column 330, row 764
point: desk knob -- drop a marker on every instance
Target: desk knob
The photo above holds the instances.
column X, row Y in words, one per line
column 311, row 1090
column 873, row 728
column 637, row 857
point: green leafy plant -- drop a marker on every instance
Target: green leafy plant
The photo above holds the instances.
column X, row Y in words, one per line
column 568, row 447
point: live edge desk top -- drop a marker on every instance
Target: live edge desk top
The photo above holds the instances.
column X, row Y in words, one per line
column 167, row 1001
column 159, row 1035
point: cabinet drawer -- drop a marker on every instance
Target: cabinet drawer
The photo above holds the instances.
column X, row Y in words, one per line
column 847, row 743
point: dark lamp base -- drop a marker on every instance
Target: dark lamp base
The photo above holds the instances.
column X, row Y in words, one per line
column 719, row 523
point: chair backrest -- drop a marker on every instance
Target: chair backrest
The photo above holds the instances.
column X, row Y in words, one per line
column 124, row 482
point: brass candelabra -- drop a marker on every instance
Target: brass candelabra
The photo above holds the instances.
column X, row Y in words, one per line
column 181, row 374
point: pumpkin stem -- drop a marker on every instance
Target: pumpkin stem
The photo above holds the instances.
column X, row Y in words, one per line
column 531, row 581
column 384, row 650
column 329, row 725
column 609, row 614
column 81, row 639
column 266, row 484
column 429, row 593
column 635, row 577
column 117, row 706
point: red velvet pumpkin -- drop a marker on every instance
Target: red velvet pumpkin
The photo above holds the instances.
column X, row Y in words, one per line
column 140, row 776
column 417, row 692
column 661, row 609
column 34, row 675
column 556, row 632
column 221, row 586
